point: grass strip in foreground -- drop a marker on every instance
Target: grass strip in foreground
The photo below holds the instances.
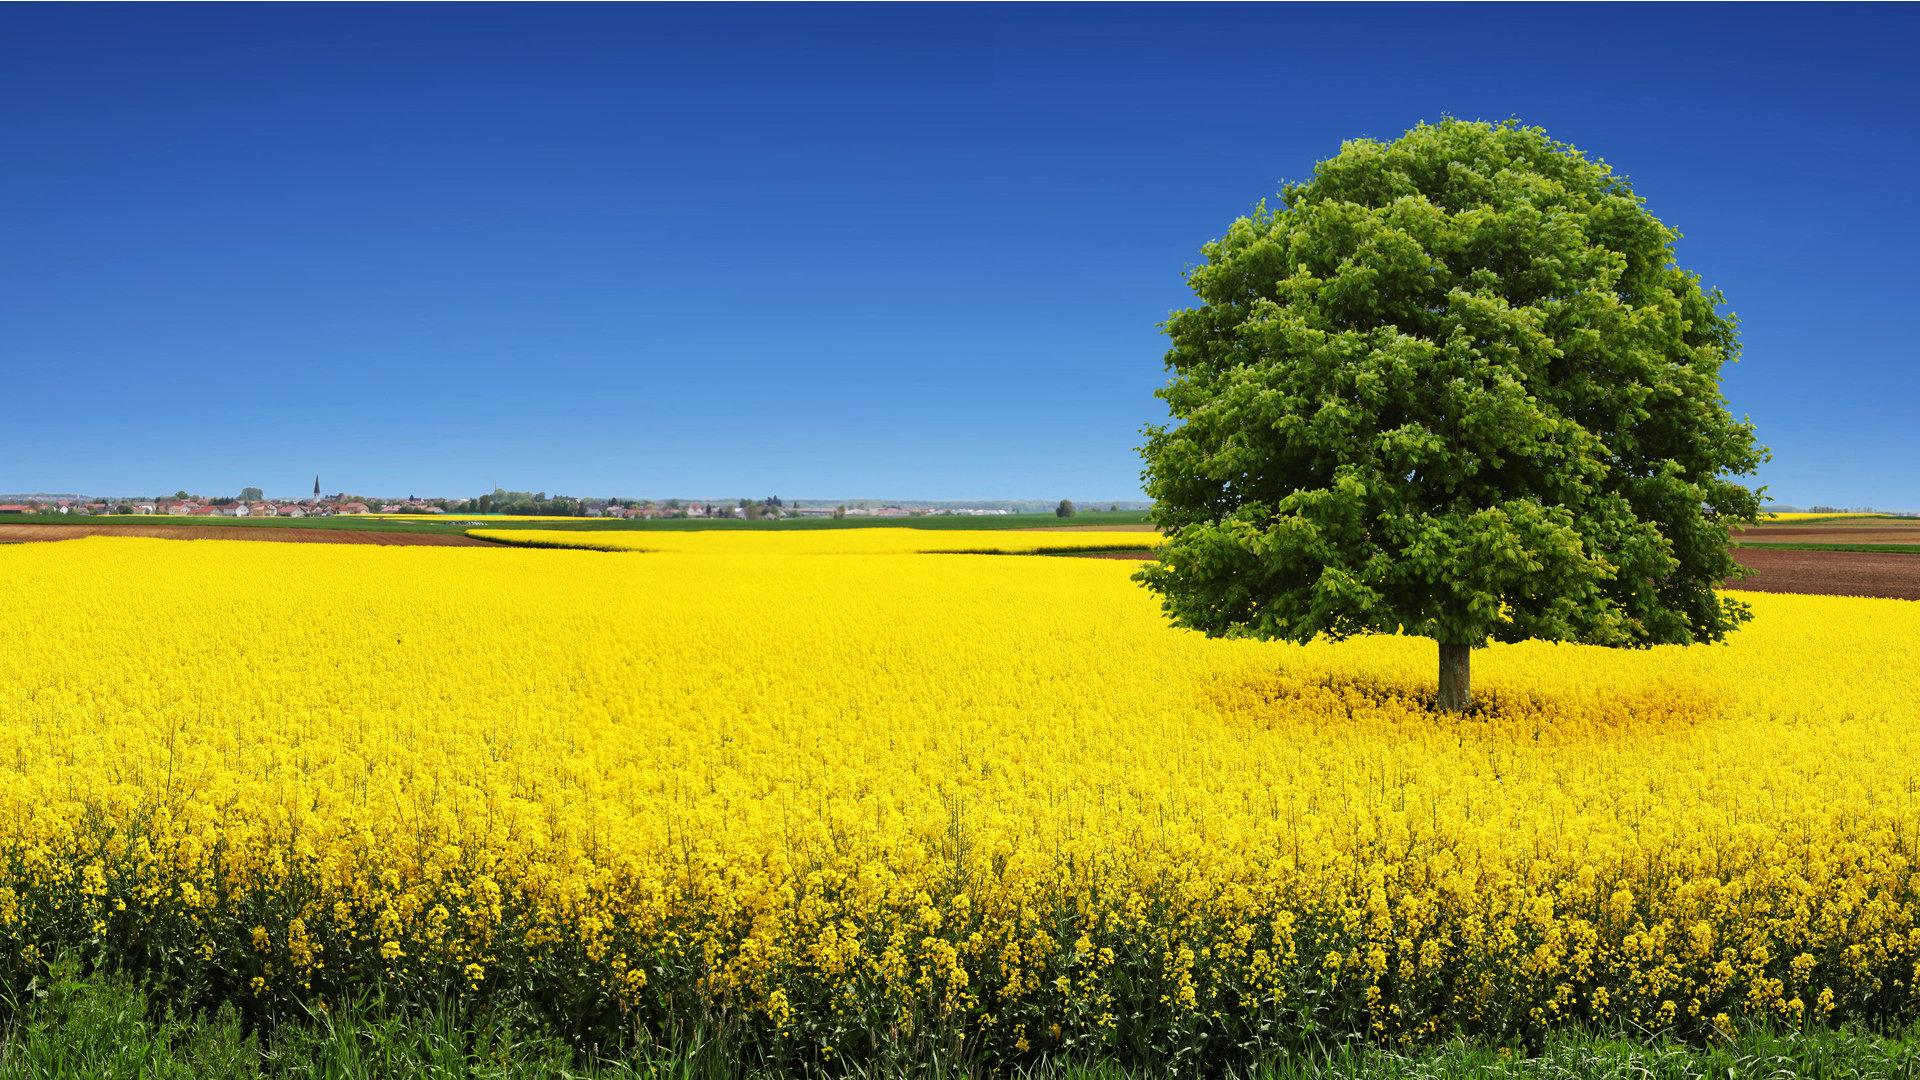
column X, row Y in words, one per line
column 105, row 1027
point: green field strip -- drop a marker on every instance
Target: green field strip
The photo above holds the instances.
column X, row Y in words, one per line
column 1894, row 549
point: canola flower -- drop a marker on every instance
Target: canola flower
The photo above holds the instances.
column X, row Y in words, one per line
column 457, row 515
column 861, row 541
column 853, row 797
column 1804, row 516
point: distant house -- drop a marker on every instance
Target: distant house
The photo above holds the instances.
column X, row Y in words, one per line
column 393, row 508
column 293, row 511
column 184, row 509
column 143, row 508
column 351, row 508
column 13, row 508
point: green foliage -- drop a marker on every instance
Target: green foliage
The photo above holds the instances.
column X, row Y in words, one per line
column 105, row 1029
column 1453, row 385
column 502, row 501
column 99, row 1027
column 1065, row 509
column 251, row 494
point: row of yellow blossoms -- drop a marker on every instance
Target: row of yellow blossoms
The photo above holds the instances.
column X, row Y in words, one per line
column 843, row 541
column 854, row 798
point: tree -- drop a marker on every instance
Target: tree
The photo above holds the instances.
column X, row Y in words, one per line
column 251, row 495
column 1065, row 509
column 1453, row 386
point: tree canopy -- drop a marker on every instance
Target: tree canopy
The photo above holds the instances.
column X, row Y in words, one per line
column 1453, row 385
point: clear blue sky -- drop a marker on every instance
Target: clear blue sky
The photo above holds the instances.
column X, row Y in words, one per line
column 841, row 251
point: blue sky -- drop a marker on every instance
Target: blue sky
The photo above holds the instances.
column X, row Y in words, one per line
column 821, row 252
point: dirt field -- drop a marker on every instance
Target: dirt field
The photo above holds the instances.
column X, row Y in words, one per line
column 1088, row 528
column 1830, row 573
column 22, row 533
column 1819, row 573
column 1844, row 531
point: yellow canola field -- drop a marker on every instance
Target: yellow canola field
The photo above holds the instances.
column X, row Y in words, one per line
column 854, row 541
column 453, row 515
column 858, row 797
column 1802, row 516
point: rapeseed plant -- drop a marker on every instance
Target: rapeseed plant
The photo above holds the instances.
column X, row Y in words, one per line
column 849, row 797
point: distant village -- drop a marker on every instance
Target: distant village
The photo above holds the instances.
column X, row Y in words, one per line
column 563, row 506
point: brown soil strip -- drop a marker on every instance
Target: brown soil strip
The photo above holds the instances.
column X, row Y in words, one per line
column 1871, row 531
column 19, row 533
column 1815, row 573
column 1830, row 573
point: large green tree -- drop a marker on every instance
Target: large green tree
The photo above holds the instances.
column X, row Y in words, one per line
column 1453, row 386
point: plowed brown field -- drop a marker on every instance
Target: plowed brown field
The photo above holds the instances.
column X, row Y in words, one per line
column 1818, row 573
column 1844, row 531
column 19, row 533
column 1830, row 573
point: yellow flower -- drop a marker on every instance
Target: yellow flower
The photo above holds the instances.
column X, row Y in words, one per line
column 862, row 770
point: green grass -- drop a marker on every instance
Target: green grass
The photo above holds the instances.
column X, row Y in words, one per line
column 1834, row 517
column 77, row 1026
column 1898, row 549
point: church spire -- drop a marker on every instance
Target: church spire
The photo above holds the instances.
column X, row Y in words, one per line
column 316, row 485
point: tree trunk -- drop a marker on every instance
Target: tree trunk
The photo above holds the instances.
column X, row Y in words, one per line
column 1456, row 679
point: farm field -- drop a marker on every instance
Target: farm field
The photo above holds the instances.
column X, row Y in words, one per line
column 15, row 534
column 849, row 795
column 1826, row 531
column 837, row 542
column 1804, row 557
column 1894, row 575
column 456, row 524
